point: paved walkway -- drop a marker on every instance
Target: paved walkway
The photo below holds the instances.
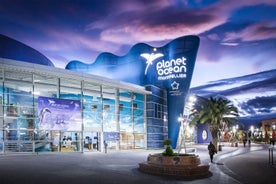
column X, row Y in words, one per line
column 232, row 165
column 250, row 165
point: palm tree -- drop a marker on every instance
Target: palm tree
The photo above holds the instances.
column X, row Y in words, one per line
column 215, row 112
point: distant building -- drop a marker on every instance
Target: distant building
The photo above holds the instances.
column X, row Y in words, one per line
column 269, row 128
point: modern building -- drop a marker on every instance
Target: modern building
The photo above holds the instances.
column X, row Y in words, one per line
column 51, row 109
column 269, row 128
column 127, row 102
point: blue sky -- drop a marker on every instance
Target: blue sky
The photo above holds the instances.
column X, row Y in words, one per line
column 238, row 37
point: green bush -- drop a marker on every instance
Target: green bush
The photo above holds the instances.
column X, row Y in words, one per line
column 168, row 151
column 186, row 155
column 167, row 142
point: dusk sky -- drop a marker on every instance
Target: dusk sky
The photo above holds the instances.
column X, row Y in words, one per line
column 238, row 37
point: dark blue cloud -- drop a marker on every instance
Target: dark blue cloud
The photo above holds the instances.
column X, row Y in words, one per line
column 262, row 102
column 254, row 95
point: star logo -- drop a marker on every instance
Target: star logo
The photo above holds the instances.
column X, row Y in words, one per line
column 175, row 85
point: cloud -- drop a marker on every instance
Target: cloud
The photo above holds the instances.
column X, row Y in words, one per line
column 146, row 25
column 259, row 105
column 254, row 95
column 230, row 44
column 264, row 30
column 140, row 23
column 69, row 45
column 70, row 28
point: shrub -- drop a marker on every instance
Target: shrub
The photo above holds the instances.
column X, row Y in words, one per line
column 168, row 151
column 167, row 142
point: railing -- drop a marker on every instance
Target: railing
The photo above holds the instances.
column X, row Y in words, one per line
column 18, row 146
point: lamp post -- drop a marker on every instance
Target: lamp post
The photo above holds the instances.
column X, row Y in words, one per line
column 182, row 129
column 251, row 128
column 234, row 130
column 250, row 134
column 184, row 120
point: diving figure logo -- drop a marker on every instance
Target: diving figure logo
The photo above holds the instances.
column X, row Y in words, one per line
column 150, row 58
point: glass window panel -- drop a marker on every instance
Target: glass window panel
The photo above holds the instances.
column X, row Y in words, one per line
column 92, row 106
column 109, row 109
column 126, row 140
column 1, row 95
column 1, row 111
column 11, row 128
column 1, row 74
column 43, row 79
column 91, row 89
column 92, row 112
column 1, row 140
column 45, row 86
column 47, row 141
column 70, row 141
column 20, row 122
column 18, row 87
column 70, row 89
column 18, row 76
column 71, row 83
column 138, row 112
column 125, row 113
column 25, row 135
column 18, row 94
column 139, row 140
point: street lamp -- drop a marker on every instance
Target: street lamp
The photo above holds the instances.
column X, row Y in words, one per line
column 184, row 120
column 234, row 130
column 183, row 127
column 251, row 128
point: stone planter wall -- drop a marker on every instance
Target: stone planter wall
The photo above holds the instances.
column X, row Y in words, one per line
column 181, row 166
column 158, row 159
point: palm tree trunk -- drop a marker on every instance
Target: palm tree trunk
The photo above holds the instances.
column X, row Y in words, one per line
column 214, row 134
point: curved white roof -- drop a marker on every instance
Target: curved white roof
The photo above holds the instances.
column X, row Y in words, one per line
column 68, row 74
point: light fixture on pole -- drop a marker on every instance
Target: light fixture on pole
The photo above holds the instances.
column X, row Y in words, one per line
column 182, row 131
column 184, row 120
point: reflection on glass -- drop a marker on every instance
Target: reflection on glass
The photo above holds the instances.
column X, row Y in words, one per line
column 25, row 95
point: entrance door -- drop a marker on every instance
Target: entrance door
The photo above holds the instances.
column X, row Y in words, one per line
column 70, row 141
column 54, row 137
column 91, row 141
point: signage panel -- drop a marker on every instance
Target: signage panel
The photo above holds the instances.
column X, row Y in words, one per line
column 59, row 114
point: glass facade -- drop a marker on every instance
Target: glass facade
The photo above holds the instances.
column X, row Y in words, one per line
column 157, row 116
column 47, row 112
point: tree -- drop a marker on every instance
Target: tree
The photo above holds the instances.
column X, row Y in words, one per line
column 215, row 112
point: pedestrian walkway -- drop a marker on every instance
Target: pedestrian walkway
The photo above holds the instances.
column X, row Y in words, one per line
column 250, row 165
column 231, row 165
